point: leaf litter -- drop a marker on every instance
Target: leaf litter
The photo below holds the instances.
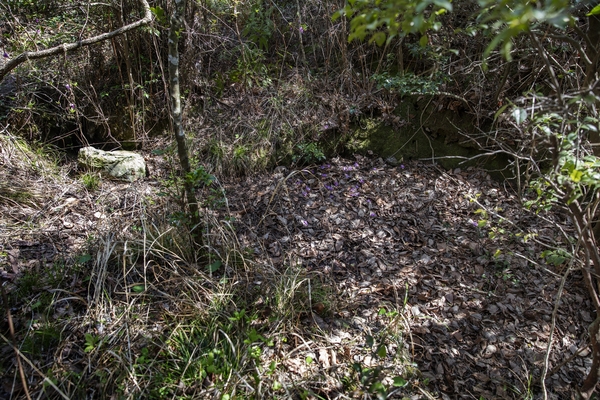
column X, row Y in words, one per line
column 477, row 297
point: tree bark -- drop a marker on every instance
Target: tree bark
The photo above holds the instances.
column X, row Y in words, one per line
column 174, row 32
column 591, row 73
column 588, row 388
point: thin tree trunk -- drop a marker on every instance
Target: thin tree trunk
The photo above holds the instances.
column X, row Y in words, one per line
column 591, row 72
column 130, row 97
column 174, row 32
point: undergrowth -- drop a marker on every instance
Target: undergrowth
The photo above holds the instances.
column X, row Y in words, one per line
column 137, row 309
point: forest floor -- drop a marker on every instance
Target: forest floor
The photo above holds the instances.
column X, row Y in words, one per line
column 358, row 280
column 477, row 310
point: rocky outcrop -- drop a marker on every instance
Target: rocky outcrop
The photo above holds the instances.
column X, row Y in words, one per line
column 121, row 165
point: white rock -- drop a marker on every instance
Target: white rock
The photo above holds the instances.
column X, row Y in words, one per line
column 121, row 165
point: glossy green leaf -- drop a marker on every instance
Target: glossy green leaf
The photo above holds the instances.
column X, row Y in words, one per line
column 138, row 288
column 594, row 11
column 443, row 4
column 379, row 38
column 159, row 13
column 400, row 382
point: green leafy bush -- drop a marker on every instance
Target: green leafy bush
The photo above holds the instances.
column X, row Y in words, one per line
column 259, row 26
column 308, row 153
column 409, row 83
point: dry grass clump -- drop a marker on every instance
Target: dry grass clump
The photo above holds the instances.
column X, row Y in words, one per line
column 28, row 176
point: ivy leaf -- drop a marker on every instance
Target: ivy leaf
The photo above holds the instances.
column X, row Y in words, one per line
column 595, row 11
column 576, row 175
column 381, row 351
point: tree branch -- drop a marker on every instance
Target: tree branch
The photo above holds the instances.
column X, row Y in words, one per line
column 65, row 47
column 565, row 38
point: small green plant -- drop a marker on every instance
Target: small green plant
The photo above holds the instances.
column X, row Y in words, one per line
column 410, row 83
column 308, row 153
column 556, row 257
column 91, row 181
column 211, row 349
column 44, row 336
column 91, row 342
column 18, row 195
column 28, row 284
column 484, row 217
column 375, row 378
column 251, row 69
column 199, row 177
column 371, row 379
column 216, row 150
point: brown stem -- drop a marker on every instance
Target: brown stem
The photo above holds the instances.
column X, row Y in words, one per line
column 592, row 39
column 544, row 56
column 591, row 381
column 300, row 32
column 66, row 47
column 129, row 95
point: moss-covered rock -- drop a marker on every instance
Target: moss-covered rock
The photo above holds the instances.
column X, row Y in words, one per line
column 424, row 130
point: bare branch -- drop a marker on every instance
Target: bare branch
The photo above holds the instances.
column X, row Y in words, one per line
column 566, row 38
column 66, row 47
